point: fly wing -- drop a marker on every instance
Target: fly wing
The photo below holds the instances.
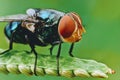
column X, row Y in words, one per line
column 17, row 17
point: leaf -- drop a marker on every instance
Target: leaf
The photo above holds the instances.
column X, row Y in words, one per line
column 23, row 62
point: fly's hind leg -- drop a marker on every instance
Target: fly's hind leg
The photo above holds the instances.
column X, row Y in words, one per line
column 10, row 44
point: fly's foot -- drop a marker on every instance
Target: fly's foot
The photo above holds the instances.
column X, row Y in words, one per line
column 35, row 72
column 58, row 70
column 5, row 51
column 71, row 54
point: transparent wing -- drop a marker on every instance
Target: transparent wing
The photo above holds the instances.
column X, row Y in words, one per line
column 17, row 17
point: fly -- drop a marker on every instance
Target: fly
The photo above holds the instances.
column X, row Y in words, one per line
column 44, row 27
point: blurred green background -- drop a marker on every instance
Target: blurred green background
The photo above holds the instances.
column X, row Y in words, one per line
column 101, row 41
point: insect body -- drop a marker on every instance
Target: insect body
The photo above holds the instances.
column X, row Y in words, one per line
column 44, row 27
column 45, row 30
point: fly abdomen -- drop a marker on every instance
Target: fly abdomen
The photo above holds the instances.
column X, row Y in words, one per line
column 19, row 36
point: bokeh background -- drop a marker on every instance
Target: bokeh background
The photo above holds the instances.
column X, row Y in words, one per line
column 101, row 41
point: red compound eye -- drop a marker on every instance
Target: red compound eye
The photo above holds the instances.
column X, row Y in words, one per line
column 70, row 28
column 66, row 26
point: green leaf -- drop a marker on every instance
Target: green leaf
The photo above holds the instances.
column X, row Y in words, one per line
column 23, row 62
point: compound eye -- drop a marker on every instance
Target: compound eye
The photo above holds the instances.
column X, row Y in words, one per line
column 31, row 12
column 66, row 26
column 70, row 28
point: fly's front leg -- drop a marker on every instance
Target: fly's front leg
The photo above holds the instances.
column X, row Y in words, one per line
column 71, row 49
column 57, row 57
column 51, row 49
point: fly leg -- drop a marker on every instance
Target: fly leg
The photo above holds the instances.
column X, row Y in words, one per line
column 36, row 56
column 53, row 45
column 71, row 49
column 51, row 49
column 34, row 51
column 57, row 57
column 10, row 44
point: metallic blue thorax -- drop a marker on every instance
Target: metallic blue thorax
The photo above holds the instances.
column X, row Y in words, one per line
column 49, row 16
